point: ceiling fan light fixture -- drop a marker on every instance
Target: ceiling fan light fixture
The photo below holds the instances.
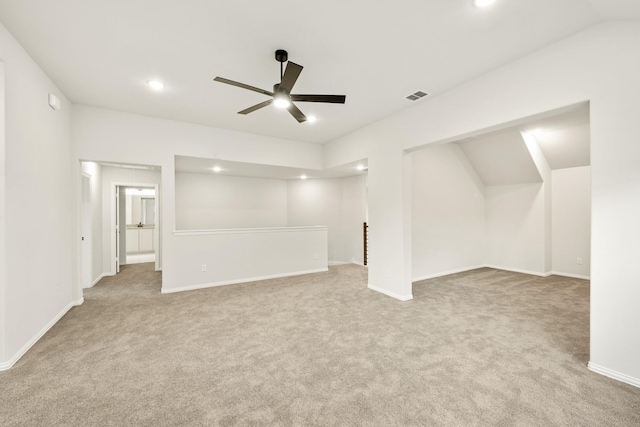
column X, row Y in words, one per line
column 482, row 3
column 281, row 100
column 156, row 85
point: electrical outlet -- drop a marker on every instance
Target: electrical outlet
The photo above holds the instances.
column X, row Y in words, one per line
column 579, row 261
column 204, row 267
column 389, row 273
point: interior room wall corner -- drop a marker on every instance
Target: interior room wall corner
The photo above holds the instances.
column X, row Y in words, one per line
column 545, row 172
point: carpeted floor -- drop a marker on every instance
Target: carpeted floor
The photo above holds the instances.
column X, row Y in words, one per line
column 482, row 348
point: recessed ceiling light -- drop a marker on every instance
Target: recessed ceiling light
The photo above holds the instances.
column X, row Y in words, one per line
column 482, row 3
column 303, row 176
column 217, row 169
column 361, row 167
column 156, row 85
column 311, row 119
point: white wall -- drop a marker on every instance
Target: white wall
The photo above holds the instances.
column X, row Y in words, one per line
column 571, row 221
column 110, row 176
column 95, row 172
column 338, row 203
column 232, row 256
column 448, row 221
column 515, row 227
column 545, row 172
column 41, row 246
column 569, row 72
column 354, row 210
column 206, row 202
column 3, row 279
column 318, row 202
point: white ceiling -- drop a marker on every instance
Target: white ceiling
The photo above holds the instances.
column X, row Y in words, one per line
column 229, row 168
column 102, row 53
column 501, row 157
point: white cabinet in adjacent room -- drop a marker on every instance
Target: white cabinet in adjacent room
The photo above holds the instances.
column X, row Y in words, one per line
column 146, row 240
column 132, row 240
column 140, row 240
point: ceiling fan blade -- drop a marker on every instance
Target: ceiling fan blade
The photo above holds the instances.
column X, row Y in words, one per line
column 291, row 74
column 256, row 107
column 295, row 112
column 242, row 85
column 334, row 99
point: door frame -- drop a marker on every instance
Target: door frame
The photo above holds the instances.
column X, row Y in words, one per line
column 86, row 233
column 112, row 222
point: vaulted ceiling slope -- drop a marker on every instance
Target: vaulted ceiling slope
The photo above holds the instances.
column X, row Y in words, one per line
column 503, row 158
column 103, row 53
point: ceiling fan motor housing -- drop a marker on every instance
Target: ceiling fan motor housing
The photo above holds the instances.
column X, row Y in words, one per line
column 277, row 89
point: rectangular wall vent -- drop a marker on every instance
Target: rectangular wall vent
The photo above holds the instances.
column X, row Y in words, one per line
column 417, row 95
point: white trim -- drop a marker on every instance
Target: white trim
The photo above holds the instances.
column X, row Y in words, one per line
column 462, row 270
column 446, row 273
column 391, row 294
column 361, row 264
column 236, row 281
column 9, row 363
column 516, row 270
column 338, row 263
column 613, row 374
column 573, row 276
column 247, row 230
column 100, row 277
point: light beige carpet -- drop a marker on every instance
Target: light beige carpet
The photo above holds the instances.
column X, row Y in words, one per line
column 483, row 348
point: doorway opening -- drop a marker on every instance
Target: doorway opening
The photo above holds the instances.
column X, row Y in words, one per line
column 134, row 221
column 112, row 196
column 137, row 242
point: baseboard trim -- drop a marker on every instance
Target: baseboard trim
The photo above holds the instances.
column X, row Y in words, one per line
column 614, row 375
column 237, row 281
column 573, row 276
column 446, row 273
column 361, row 264
column 9, row 363
column 391, row 294
column 95, row 282
column 338, row 263
column 516, row 270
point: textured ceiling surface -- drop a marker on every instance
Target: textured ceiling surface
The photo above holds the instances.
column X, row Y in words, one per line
column 102, row 53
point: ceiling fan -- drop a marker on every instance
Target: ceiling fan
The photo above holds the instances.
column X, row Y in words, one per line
column 281, row 95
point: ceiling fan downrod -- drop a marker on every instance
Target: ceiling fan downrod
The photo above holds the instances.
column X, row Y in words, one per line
column 282, row 56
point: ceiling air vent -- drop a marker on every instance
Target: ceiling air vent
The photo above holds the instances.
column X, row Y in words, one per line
column 415, row 96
